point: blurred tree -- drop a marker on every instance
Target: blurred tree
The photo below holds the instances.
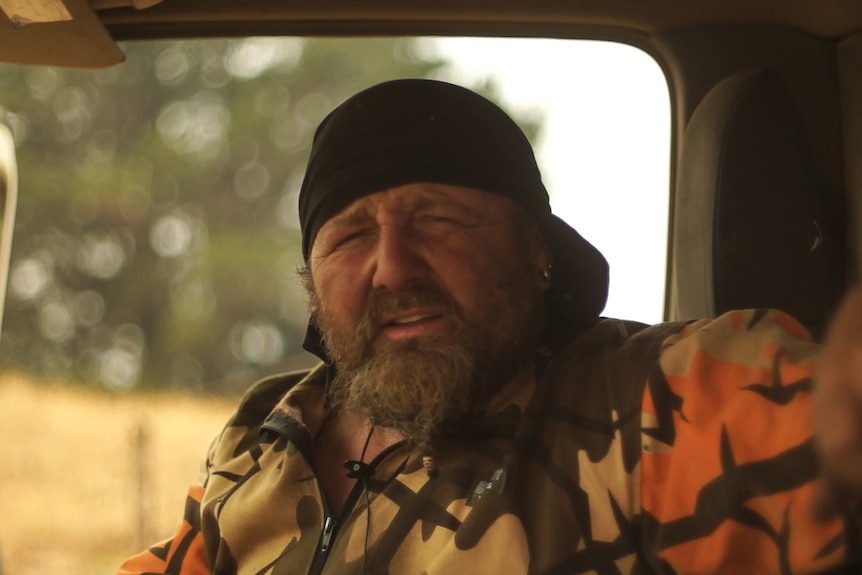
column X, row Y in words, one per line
column 157, row 239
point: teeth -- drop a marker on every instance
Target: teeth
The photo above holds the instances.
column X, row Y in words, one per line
column 408, row 319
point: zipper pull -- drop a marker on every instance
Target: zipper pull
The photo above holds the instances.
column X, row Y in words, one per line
column 328, row 532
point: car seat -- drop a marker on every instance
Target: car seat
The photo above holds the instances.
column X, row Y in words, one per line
column 753, row 227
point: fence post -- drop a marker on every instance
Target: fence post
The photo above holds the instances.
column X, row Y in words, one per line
column 142, row 483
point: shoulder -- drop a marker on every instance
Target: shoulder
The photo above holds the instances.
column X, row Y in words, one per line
column 243, row 429
column 738, row 333
column 621, row 356
column 605, row 369
column 743, row 337
column 612, row 347
column 592, row 389
column 264, row 395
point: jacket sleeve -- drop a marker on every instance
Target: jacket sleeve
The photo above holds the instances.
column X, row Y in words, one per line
column 728, row 459
column 182, row 554
column 185, row 553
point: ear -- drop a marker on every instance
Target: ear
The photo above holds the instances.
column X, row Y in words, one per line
column 545, row 276
column 542, row 260
column 535, row 251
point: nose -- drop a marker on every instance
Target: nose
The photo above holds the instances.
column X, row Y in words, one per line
column 399, row 263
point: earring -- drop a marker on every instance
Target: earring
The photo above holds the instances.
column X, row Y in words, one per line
column 546, row 272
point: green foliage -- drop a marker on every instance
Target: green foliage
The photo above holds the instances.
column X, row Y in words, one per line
column 157, row 240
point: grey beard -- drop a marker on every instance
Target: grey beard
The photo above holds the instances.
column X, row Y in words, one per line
column 418, row 387
column 414, row 388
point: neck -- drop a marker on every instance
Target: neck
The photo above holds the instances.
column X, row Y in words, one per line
column 346, row 437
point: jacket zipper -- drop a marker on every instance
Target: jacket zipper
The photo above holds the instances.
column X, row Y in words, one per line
column 331, row 522
column 328, row 531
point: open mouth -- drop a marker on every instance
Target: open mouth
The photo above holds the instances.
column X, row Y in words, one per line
column 411, row 324
column 414, row 318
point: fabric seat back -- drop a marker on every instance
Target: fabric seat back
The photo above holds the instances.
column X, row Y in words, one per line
column 753, row 228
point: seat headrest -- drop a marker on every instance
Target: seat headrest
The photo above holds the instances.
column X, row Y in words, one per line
column 753, row 226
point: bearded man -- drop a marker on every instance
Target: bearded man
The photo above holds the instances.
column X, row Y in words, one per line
column 473, row 414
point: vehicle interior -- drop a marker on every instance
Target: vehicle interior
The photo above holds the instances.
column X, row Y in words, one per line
column 765, row 102
column 766, row 114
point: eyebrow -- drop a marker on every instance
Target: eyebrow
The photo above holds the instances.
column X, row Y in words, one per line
column 425, row 202
column 354, row 217
column 360, row 215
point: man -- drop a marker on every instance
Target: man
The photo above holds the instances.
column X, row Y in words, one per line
column 474, row 415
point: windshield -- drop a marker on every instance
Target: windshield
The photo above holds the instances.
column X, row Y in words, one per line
column 153, row 266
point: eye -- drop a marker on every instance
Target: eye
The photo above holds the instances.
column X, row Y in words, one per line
column 342, row 239
column 441, row 218
column 349, row 237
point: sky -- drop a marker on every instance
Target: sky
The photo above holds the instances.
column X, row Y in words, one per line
column 604, row 149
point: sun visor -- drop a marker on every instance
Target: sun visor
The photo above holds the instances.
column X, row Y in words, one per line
column 58, row 33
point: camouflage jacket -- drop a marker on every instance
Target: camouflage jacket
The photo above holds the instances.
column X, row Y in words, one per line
column 678, row 448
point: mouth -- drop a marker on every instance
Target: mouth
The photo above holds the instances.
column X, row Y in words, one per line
column 411, row 324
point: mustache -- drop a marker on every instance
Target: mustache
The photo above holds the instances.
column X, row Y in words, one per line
column 384, row 302
column 356, row 344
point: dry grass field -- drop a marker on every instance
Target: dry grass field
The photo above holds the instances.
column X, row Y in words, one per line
column 86, row 478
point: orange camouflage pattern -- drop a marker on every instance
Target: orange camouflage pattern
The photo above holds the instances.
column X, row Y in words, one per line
column 678, row 448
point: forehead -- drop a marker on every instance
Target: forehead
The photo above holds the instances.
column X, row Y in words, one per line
column 420, row 196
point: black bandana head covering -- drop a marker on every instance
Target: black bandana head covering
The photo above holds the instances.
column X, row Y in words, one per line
column 410, row 131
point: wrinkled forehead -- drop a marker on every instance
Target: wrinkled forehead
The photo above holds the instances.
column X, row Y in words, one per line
column 417, row 199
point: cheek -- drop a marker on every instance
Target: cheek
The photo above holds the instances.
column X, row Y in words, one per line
column 340, row 295
column 503, row 282
column 472, row 277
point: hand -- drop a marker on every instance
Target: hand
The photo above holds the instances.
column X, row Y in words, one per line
column 838, row 412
